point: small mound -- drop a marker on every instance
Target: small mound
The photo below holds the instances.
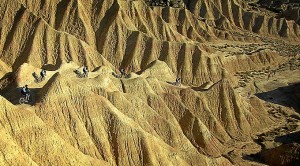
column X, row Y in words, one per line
column 137, row 86
column 160, row 70
column 57, row 85
column 24, row 73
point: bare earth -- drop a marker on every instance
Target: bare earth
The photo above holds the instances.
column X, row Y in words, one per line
column 237, row 104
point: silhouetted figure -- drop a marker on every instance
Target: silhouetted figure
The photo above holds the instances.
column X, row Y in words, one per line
column 43, row 74
column 85, row 71
column 123, row 73
column 26, row 92
column 178, row 81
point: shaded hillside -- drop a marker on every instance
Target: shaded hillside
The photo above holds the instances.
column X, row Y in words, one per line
column 288, row 9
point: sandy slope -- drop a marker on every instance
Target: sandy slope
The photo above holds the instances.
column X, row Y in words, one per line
column 220, row 49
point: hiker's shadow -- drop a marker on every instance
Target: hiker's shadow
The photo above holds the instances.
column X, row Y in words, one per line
column 116, row 75
column 174, row 83
column 35, row 76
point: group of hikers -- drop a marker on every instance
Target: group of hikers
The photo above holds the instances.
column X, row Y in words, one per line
column 43, row 75
column 26, row 92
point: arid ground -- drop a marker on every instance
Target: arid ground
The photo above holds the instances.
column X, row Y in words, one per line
column 238, row 101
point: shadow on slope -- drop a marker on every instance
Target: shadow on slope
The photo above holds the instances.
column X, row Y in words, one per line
column 285, row 154
column 52, row 67
column 14, row 94
column 288, row 96
column 206, row 86
column 289, row 138
column 11, row 92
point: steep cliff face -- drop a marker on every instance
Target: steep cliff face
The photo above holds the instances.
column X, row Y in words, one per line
column 143, row 118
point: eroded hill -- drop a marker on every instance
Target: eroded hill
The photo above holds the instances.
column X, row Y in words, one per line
column 223, row 51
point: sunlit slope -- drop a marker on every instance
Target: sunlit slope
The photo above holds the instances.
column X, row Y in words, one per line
column 133, row 121
column 127, row 34
column 143, row 119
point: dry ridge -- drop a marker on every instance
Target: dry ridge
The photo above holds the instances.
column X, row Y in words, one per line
column 122, row 121
column 220, row 49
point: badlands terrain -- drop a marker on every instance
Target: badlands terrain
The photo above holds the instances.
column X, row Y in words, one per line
column 238, row 103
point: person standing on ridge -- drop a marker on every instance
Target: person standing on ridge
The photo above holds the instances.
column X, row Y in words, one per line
column 26, row 92
column 123, row 73
column 85, row 71
column 43, row 74
column 178, row 81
